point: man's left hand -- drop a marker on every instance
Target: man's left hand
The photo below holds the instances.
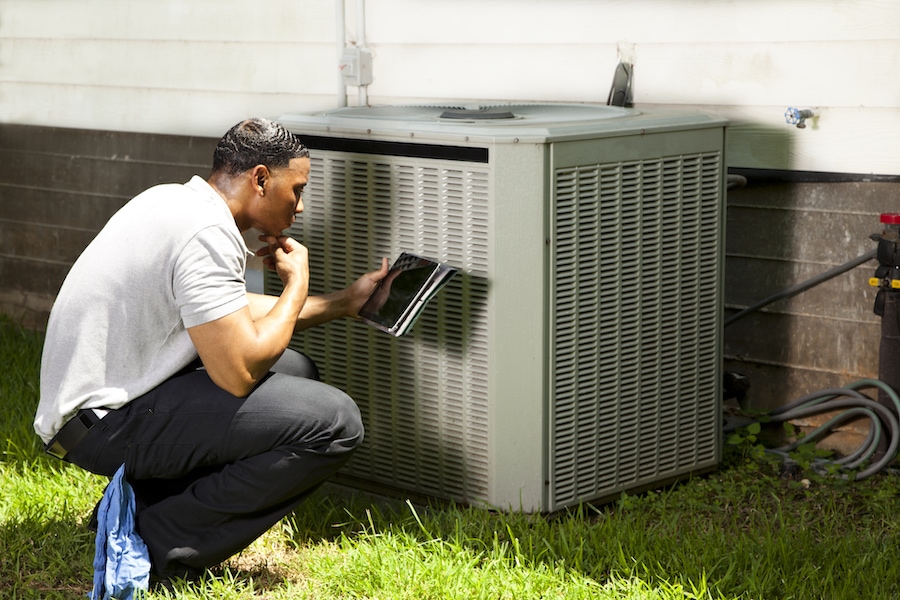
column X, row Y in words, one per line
column 360, row 290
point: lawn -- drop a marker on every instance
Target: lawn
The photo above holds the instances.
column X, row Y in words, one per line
column 743, row 532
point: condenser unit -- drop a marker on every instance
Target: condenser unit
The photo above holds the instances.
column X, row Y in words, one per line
column 578, row 352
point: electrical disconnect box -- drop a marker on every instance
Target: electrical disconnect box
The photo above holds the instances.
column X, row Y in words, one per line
column 356, row 66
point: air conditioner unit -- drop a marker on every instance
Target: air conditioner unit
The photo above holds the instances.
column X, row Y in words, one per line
column 578, row 353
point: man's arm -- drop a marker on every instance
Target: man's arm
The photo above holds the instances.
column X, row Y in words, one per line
column 237, row 350
column 321, row 309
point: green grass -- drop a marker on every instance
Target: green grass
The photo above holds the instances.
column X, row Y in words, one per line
column 743, row 532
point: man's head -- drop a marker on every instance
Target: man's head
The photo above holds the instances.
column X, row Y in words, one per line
column 255, row 142
column 261, row 169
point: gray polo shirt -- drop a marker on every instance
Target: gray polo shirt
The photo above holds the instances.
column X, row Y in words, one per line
column 170, row 259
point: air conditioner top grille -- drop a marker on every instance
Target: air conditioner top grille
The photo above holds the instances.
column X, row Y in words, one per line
column 535, row 114
column 535, row 123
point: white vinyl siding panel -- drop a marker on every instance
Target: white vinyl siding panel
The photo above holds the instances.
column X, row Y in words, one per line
column 167, row 66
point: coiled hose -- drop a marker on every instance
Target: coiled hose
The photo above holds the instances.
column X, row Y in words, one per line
column 853, row 404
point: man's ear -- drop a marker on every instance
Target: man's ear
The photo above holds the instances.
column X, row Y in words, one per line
column 258, row 176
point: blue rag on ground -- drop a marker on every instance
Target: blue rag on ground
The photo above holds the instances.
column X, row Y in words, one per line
column 121, row 559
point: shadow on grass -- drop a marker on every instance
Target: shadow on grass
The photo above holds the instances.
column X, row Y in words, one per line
column 51, row 560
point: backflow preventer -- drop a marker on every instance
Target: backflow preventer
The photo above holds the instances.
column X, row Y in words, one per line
column 887, row 304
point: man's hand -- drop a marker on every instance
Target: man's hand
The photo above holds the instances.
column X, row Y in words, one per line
column 287, row 257
column 360, row 290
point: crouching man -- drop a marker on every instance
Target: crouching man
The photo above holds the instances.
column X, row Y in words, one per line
column 157, row 357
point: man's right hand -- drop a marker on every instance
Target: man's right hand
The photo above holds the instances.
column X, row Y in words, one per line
column 287, row 257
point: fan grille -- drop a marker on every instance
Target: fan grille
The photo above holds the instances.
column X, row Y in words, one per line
column 635, row 335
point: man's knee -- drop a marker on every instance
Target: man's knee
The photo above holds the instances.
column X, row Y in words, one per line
column 349, row 427
column 297, row 364
column 304, row 413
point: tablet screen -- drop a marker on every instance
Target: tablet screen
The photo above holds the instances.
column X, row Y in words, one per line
column 398, row 290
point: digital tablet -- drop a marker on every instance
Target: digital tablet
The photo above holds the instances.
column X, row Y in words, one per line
column 400, row 297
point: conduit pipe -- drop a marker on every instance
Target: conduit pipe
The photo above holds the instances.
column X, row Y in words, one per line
column 363, row 90
column 341, row 35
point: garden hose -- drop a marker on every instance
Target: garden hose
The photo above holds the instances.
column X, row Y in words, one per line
column 852, row 404
column 803, row 286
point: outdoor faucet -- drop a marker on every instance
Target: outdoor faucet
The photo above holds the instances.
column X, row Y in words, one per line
column 795, row 116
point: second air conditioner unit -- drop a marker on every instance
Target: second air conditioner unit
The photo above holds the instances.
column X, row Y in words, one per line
column 578, row 353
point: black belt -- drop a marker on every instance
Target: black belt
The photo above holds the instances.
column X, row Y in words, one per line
column 72, row 433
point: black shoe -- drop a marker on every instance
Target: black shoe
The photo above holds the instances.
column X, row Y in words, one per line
column 93, row 523
column 158, row 583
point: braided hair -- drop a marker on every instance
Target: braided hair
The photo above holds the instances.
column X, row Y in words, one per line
column 254, row 142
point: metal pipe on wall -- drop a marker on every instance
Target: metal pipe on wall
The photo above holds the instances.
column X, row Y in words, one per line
column 341, row 34
column 363, row 90
column 360, row 44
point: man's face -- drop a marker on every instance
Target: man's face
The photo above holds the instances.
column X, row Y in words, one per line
column 283, row 196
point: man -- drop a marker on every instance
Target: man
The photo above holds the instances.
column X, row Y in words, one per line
column 157, row 357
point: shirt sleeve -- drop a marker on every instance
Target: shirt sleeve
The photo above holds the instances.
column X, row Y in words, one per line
column 208, row 279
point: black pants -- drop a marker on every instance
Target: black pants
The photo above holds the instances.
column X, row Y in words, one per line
column 212, row 472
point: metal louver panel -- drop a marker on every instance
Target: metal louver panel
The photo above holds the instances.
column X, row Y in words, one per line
column 423, row 397
column 633, row 329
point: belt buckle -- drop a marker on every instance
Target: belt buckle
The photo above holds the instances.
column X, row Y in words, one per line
column 71, row 434
column 54, row 448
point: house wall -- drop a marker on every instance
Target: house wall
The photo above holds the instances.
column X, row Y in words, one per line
column 173, row 67
column 100, row 98
column 59, row 186
column 780, row 233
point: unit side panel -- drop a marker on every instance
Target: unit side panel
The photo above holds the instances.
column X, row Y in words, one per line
column 423, row 397
column 518, row 399
column 635, row 325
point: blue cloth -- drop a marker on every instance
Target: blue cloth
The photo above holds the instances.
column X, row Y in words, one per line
column 121, row 559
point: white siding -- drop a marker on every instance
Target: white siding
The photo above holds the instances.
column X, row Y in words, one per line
column 170, row 66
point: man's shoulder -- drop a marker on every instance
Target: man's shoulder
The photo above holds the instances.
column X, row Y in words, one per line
column 189, row 202
column 171, row 190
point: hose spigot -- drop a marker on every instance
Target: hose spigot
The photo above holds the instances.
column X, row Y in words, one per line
column 795, row 116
